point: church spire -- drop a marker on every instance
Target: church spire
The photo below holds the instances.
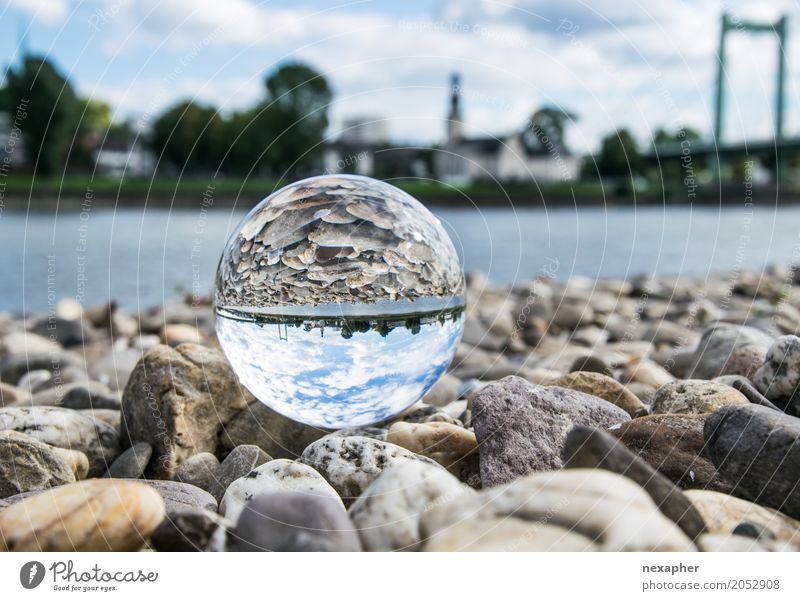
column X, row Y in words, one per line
column 454, row 125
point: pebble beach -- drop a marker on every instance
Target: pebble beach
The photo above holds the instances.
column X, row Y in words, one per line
column 649, row 414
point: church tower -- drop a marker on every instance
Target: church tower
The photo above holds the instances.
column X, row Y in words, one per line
column 454, row 123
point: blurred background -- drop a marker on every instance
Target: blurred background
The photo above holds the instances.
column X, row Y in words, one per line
column 611, row 139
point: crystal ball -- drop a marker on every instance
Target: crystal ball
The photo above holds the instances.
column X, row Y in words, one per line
column 339, row 301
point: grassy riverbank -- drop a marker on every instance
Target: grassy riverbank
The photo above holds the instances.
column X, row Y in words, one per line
column 20, row 192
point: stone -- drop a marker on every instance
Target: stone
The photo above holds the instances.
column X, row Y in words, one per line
column 179, row 495
column 240, row 461
column 67, row 332
column 747, row 388
column 695, row 396
column 591, row 363
column 27, row 343
column 198, row 470
column 611, row 511
column 779, row 378
column 442, row 393
column 66, row 429
column 606, row 388
column 114, row 369
column 592, row 448
column 189, row 529
column 174, row 334
column 92, row 515
column 294, row 521
column 388, row 511
column 718, row 343
column 520, row 427
column 744, row 361
column 278, row 474
column 35, row 381
column 86, row 395
column 29, row 465
column 13, row 367
column 673, row 444
column 724, row 514
column 644, row 371
column 643, row 392
column 449, row 445
column 507, row 534
column 177, row 400
column 758, row 450
column 132, row 463
column 11, row 395
column 351, row 464
column 276, row 435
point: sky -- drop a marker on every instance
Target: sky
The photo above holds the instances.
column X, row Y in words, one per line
column 637, row 64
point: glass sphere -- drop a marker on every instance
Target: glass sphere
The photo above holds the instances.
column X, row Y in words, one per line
column 339, row 301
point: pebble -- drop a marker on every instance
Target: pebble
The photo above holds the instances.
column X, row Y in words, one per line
column 93, row 515
column 592, row 448
column 177, row 399
column 278, row 474
column 520, row 427
column 351, row 464
column 174, row 334
column 606, row 388
column 591, row 363
column 724, row 514
column 744, row 361
column 240, row 461
column 294, row 521
column 29, row 465
column 66, row 332
column 11, row 395
column 198, row 470
column 444, row 392
column 644, row 371
column 13, row 367
column 779, row 378
column 747, row 388
column 132, row 463
column 718, row 343
column 447, row 444
column 673, row 444
column 757, row 450
column 190, row 529
column 695, row 396
column 610, row 512
column 387, row 513
column 276, row 435
column 66, row 429
column 178, row 495
column 91, row 395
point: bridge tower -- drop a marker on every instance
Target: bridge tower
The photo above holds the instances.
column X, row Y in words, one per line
column 729, row 25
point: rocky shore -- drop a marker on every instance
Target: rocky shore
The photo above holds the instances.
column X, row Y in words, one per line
column 641, row 415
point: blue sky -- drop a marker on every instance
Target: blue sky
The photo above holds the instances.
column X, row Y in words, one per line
column 637, row 64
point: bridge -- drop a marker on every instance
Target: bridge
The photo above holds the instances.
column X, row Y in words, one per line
column 776, row 153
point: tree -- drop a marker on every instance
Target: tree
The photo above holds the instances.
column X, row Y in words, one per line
column 50, row 107
column 189, row 136
column 546, row 128
column 298, row 99
column 619, row 155
column 662, row 137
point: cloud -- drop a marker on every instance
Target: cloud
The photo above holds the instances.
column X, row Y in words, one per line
column 638, row 65
column 49, row 12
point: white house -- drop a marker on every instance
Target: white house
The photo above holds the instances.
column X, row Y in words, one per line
column 462, row 160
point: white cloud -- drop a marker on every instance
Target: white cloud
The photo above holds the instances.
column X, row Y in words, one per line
column 637, row 65
column 47, row 11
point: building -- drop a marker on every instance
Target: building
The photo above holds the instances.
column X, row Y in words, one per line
column 364, row 148
column 506, row 158
column 124, row 157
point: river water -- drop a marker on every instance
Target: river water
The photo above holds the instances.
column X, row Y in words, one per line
column 142, row 257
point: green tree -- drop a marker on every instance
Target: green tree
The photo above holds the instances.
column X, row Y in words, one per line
column 189, row 136
column 619, row 155
column 663, row 137
column 297, row 107
column 546, row 128
column 51, row 107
